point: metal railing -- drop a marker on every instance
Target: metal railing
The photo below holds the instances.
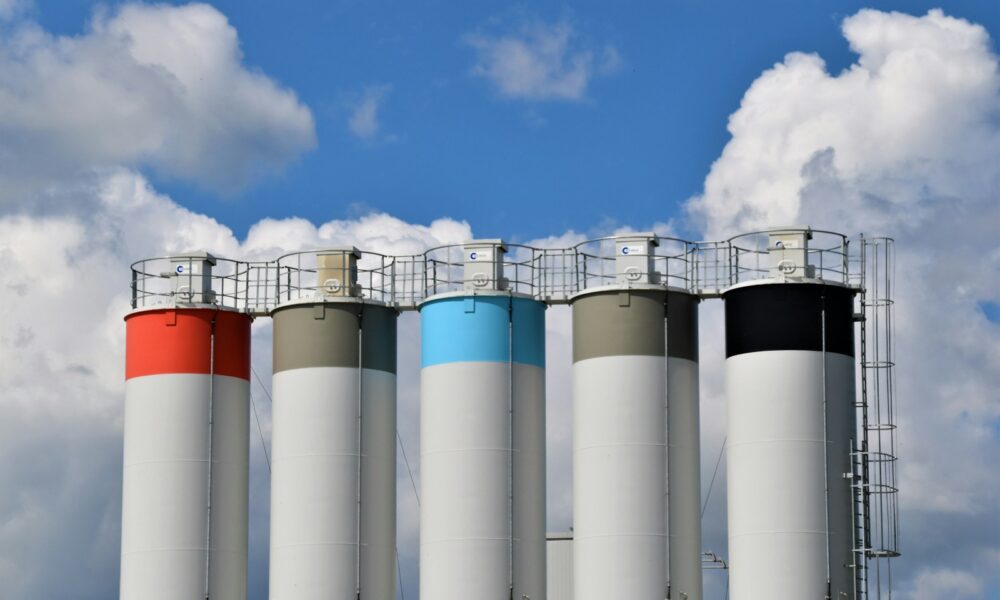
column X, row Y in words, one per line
column 746, row 257
column 596, row 264
column 178, row 281
column 299, row 276
column 551, row 275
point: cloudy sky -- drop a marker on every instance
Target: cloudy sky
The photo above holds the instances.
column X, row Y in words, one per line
column 247, row 128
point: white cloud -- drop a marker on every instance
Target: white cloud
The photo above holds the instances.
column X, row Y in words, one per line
column 904, row 143
column 11, row 8
column 540, row 61
column 918, row 104
column 933, row 584
column 363, row 121
column 145, row 85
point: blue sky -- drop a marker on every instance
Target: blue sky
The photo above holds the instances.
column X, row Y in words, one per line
column 637, row 146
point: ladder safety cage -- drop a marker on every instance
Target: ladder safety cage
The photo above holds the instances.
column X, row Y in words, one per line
column 876, row 448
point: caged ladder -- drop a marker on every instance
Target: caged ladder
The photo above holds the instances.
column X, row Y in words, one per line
column 874, row 482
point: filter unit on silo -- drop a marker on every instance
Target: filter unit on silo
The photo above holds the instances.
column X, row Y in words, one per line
column 620, row 382
column 482, row 430
column 184, row 498
column 333, row 481
column 790, row 391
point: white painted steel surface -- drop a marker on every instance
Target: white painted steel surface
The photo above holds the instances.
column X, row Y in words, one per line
column 778, row 474
column 619, row 466
column 378, row 485
column 560, row 567
column 465, row 481
column 165, row 515
column 315, row 484
column 684, row 477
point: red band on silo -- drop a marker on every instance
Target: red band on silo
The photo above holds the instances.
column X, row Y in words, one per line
column 166, row 341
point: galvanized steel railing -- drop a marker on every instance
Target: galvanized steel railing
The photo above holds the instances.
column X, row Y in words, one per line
column 745, row 257
column 171, row 281
column 551, row 275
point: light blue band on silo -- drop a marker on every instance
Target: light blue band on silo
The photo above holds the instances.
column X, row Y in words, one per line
column 480, row 328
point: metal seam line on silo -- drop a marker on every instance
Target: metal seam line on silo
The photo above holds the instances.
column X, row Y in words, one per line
column 790, row 393
column 186, row 448
column 482, row 518
column 333, row 517
column 619, row 445
column 683, row 447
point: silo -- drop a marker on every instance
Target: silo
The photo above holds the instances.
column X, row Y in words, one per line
column 683, row 447
column 482, row 430
column 790, row 390
column 185, row 492
column 620, row 431
column 333, row 480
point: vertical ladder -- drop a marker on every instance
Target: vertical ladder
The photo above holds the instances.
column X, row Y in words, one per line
column 876, row 511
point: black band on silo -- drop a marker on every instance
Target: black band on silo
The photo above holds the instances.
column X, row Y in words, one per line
column 789, row 316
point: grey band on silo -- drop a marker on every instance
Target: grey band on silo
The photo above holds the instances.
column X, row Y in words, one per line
column 618, row 323
column 325, row 334
column 316, row 335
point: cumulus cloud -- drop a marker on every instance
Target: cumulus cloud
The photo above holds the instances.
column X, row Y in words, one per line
column 145, row 86
column 904, row 143
column 363, row 121
column 541, row 61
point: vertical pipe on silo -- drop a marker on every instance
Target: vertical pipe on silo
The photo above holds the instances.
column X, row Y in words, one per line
column 482, row 469
column 333, row 451
column 790, row 392
column 683, row 450
column 186, row 448
column 619, row 445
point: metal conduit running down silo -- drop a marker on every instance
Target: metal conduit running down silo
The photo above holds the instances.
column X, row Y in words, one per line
column 482, row 429
column 186, row 451
column 790, row 390
column 333, row 482
column 683, row 448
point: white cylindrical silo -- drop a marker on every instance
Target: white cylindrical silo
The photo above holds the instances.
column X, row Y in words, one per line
column 482, row 469
column 619, row 444
column 186, row 454
column 333, row 451
column 790, row 391
column 683, row 448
